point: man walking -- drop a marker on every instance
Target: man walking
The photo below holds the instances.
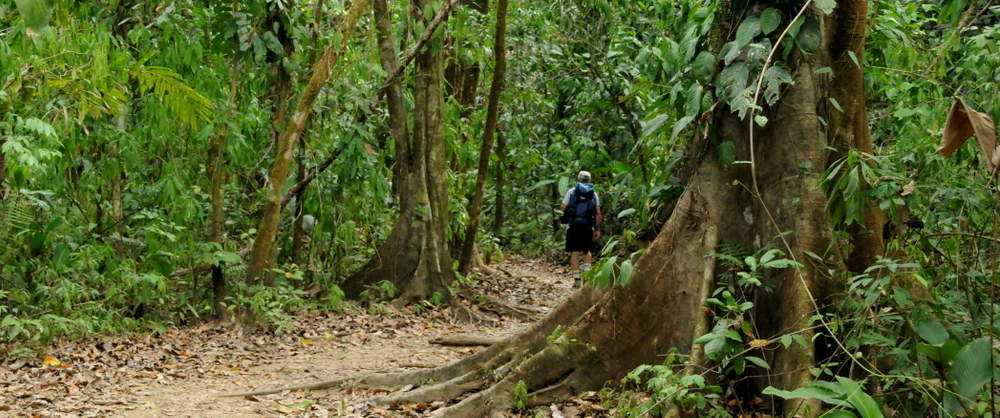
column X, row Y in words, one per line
column 582, row 211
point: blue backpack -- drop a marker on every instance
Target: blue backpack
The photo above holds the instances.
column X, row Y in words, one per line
column 582, row 207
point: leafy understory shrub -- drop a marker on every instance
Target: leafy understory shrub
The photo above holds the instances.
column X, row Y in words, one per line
column 264, row 306
column 844, row 394
column 669, row 389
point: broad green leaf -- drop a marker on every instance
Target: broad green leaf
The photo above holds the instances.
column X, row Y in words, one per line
column 971, row 369
column 809, row 36
column 626, row 212
column 932, row 331
column 733, row 335
column 826, row 6
column 729, row 52
column 704, row 339
column 704, row 66
column 839, row 413
column 770, row 18
column 715, row 347
column 541, row 184
column 727, row 153
column 625, row 272
column 733, row 80
column 774, row 78
column 836, row 105
column 862, row 402
column 747, row 30
column 227, row 257
column 692, row 104
column 564, row 184
column 810, row 391
column 652, row 125
column 949, row 350
column 854, row 58
column 680, row 125
column 759, row 362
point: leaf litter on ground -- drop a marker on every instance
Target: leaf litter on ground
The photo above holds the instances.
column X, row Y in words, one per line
column 181, row 371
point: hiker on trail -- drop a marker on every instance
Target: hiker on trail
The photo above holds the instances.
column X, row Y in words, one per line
column 582, row 211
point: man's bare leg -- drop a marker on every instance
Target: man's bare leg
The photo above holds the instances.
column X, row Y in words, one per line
column 574, row 261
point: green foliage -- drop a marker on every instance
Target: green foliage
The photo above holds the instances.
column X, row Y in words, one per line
column 844, row 393
column 266, row 306
column 520, row 396
column 93, row 106
column 671, row 390
column 611, row 269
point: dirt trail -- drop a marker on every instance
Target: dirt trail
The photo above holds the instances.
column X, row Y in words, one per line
column 181, row 372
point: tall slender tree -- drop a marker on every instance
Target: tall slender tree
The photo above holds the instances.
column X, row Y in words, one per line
column 289, row 140
column 492, row 114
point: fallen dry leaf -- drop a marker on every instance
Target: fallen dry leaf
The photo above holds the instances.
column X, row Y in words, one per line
column 909, row 188
column 964, row 122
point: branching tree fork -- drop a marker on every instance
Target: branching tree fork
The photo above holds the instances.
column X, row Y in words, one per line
column 289, row 140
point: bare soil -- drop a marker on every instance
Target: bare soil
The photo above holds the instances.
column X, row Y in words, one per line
column 181, row 372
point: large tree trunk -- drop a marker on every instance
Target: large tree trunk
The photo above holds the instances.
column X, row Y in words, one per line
column 492, row 114
column 289, row 140
column 661, row 307
column 415, row 257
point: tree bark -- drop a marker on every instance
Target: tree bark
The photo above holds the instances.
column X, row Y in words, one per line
column 500, row 169
column 3, row 172
column 289, row 139
column 216, row 166
column 298, row 232
column 117, row 207
column 415, row 256
column 492, row 114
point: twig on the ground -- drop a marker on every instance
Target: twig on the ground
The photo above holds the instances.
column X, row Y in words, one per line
column 325, row 384
column 465, row 341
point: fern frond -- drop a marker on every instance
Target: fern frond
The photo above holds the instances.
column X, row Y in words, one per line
column 15, row 216
column 732, row 253
column 170, row 89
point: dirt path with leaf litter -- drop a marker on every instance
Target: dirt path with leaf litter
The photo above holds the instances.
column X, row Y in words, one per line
column 180, row 373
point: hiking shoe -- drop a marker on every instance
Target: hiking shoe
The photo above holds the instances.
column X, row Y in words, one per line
column 577, row 282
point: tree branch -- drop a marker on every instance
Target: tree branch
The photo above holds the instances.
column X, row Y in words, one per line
column 962, row 234
column 424, row 38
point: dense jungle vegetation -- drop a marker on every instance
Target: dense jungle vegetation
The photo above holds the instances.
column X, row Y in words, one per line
column 786, row 194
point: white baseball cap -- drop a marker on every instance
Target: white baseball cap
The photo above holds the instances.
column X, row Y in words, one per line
column 584, row 176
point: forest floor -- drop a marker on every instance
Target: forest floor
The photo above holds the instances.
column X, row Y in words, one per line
column 181, row 372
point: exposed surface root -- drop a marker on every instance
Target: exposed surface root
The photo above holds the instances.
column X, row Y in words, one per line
column 500, row 307
column 465, row 340
column 445, row 390
column 444, row 373
column 326, row 384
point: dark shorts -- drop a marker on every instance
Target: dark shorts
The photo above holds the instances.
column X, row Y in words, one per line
column 580, row 238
